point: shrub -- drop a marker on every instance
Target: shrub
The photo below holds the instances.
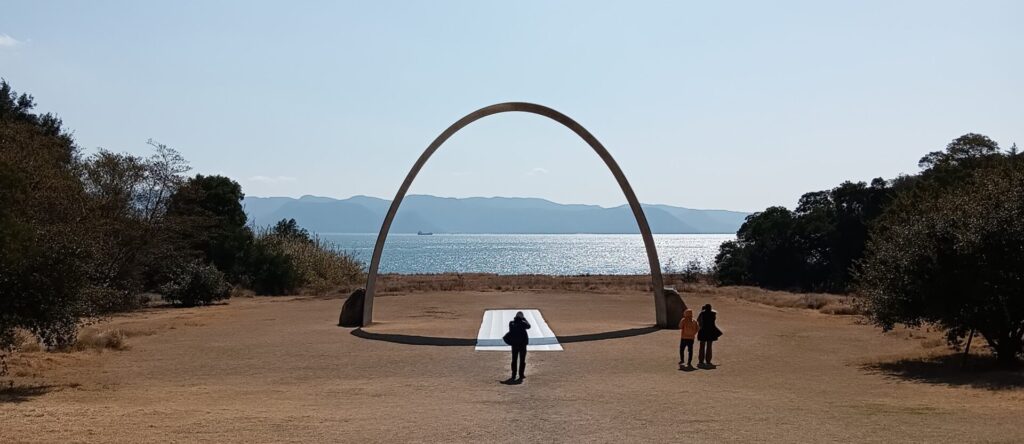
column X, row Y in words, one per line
column 115, row 339
column 692, row 272
column 195, row 283
column 281, row 262
column 26, row 342
column 269, row 271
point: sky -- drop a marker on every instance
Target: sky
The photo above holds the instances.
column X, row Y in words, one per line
column 726, row 105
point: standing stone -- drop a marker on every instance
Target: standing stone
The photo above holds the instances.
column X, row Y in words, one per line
column 352, row 310
column 674, row 307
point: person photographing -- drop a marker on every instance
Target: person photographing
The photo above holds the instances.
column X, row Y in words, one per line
column 518, row 339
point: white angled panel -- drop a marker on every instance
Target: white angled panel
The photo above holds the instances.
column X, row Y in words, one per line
column 495, row 325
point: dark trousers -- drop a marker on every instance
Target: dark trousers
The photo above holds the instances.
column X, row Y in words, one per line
column 684, row 345
column 705, row 352
column 519, row 354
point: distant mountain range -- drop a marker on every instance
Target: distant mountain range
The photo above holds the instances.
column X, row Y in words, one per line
column 363, row 214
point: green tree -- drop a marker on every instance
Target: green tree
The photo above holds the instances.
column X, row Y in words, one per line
column 815, row 237
column 965, row 150
column 768, row 239
column 954, row 259
column 732, row 264
column 207, row 212
column 857, row 206
column 44, row 256
column 289, row 228
column 129, row 198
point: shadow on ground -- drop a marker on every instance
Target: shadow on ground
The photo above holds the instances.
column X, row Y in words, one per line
column 980, row 372
column 20, row 393
column 468, row 342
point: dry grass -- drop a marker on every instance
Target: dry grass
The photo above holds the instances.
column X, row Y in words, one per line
column 91, row 339
column 399, row 284
column 238, row 291
column 278, row 370
column 825, row 303
column 322, row 267
column 108, row 339
column 26, row 342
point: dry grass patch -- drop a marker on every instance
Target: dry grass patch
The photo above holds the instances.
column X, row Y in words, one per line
column 26, row 342
column 402, row 284
column 825, row 303
column 91, row 339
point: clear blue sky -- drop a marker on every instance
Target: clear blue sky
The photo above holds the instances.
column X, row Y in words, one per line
column 735, row 105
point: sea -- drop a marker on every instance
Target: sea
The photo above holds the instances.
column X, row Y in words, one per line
column 551, row 254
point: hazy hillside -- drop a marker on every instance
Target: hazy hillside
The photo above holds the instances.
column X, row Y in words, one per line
column 363, row 214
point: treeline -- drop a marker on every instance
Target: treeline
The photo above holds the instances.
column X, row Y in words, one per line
column 943, row 247
column 812, row 248
column 82, row 236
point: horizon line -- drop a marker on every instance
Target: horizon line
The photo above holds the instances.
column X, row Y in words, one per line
column 491, row 197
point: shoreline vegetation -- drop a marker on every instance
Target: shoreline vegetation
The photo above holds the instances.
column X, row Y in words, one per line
column 84, row 237
column 942, row 247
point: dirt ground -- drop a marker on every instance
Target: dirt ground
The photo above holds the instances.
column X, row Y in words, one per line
column 280, row 370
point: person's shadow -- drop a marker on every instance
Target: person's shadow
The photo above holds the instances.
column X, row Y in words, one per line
column 511, row 381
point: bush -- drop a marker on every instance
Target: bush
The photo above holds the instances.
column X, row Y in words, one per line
column 195, row 283
column 115, row 339
column 269, row 271
column 287, row 261
column 321, row 268
column 692, row 272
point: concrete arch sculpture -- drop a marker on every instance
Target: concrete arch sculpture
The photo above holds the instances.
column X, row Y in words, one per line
column 634, row 204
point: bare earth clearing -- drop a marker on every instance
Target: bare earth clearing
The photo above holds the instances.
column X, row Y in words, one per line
column 279, row 370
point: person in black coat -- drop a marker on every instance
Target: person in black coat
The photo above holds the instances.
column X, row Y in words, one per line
column 707, row 333
column 518, row 339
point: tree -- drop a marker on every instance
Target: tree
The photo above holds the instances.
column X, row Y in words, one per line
column 731, row 264
column 768, row 242
column 290, row 229
column 129, row 198
column 44, row 256
column 207, row 212
column 954, row 259
column 815, row 236
column 857, row 206
column 964, row 150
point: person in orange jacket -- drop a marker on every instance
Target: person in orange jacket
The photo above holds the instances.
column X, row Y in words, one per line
column 688, row 331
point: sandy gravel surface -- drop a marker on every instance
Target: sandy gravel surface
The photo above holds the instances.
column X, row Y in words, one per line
column 279, row 370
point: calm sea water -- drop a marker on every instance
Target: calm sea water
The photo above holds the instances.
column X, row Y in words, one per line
column 555, row 254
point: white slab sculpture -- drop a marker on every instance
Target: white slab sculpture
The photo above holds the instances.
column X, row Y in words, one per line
column 495, row 325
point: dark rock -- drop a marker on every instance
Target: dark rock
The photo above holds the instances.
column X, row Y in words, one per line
column 352, row 311
column 674, row 308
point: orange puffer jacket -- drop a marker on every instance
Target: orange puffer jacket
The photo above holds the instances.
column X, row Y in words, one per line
column 687, row 326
